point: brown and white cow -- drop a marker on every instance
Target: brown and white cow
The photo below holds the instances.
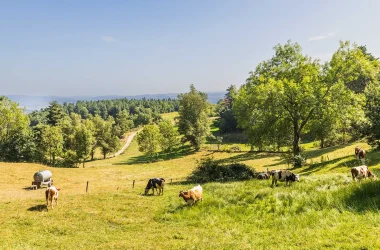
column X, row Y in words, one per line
column 361, row 172
column 193, row 195
column 155, row 183
column 51, row 194
column 360, row 154
column 283, row 175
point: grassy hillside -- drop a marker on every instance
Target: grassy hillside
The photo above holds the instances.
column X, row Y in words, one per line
column 324, row 210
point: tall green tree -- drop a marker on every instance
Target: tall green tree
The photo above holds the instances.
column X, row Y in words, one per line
column 372, row 110
column 170, row 135
column 149, row 140
column 14, row 129
column 366, row 74
column 55, row 113
column 123, row 123
column 83, row 142
column 105, row 139
column 52, row 142
column 286, row 89
column 193, row 122
column 227, row 121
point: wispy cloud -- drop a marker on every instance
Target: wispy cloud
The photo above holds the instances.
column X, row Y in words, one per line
column 109, row 39
column 322, row 37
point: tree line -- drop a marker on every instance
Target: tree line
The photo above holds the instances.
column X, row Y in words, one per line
column 67, row 135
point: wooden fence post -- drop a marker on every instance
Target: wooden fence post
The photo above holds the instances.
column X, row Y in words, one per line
column 133, row 185
column 87, row 187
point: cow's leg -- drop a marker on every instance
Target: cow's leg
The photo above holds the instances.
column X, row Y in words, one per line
column 56, row 201
column 363, row 161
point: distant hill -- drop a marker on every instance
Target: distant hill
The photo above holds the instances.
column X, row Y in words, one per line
column 38, row 102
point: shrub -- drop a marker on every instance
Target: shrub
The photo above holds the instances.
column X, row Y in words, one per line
column 299, row 161
column 210, row 170
column 235, row 137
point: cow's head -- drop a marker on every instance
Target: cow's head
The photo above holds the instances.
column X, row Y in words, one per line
column 182, row 193
column 357, row 149
column 297, row 177
column 371, row 175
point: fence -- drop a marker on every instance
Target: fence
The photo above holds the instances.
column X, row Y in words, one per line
column 142, row 182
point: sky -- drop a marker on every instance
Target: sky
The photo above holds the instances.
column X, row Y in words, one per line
column 94, row 48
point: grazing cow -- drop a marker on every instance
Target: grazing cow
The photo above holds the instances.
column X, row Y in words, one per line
column 361, row 172
column 263, row 176
column 360, row 154
column 193, row 195
column 155, row 183
column 51, row 194
column 284, row 175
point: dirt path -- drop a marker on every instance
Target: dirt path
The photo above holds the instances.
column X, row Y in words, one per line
column 129, row 140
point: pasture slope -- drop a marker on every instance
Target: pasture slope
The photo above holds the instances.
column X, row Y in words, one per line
column 324, row 210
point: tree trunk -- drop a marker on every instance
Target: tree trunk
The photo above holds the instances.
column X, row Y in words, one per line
column 344, row 136
column 104, row 155
column 296, row 141
column 322, row 142
column 92, row 154
column 84, row 160
column 53, row 159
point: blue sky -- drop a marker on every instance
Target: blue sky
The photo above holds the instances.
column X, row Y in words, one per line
column 76, row 48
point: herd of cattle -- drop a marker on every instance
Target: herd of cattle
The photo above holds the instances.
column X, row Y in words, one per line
column 195, row 194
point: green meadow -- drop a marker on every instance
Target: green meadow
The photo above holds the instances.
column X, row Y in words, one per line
column 325, row 210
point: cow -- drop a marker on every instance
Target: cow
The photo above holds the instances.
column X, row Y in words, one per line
column 193, row 195
column 361, row 172
column 360, row 154
column 283, row 175
column 155, row 183
column 263, row 176
column 51, row 194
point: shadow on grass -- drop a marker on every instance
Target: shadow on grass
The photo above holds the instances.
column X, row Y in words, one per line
column 180, row 152
column 319, row 166
column 247, row 156
column 175, row 209
column 364, row 197
column 319, row 152
column 38, row 208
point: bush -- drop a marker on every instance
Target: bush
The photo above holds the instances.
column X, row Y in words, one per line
column 210, row 170
column 235, row 137
column 299, row 161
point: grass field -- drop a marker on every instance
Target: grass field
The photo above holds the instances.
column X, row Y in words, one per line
column 324, row 210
